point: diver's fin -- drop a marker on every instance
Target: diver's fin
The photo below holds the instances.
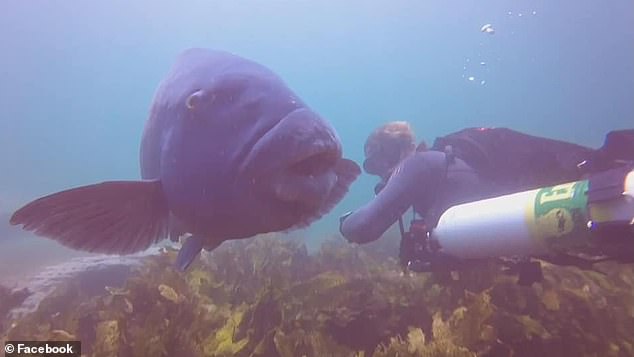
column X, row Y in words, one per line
column 563, row 259
column 189, row 251
column 115, row 217
column 529, row 272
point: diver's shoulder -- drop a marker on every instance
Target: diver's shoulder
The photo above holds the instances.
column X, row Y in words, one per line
column 440, row 158
column 428, row 155
column 427, row 159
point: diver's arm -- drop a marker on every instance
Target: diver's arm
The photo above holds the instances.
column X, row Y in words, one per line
column 416, row 176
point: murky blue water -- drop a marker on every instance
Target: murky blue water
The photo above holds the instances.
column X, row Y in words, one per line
column 77, row 77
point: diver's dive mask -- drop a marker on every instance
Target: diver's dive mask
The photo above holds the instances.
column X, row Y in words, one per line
column 381, row 159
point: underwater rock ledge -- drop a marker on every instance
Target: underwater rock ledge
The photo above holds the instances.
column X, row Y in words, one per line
column 93, row 273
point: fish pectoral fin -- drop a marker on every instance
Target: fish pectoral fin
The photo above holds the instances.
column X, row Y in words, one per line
column 113, row 217
column 191, row 248
column 188, row 252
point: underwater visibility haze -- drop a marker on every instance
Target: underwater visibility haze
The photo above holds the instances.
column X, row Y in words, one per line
column 79, row 80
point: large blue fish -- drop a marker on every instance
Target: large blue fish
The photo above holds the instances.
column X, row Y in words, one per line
column 228, row 152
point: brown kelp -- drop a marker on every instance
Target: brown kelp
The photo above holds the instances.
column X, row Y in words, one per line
column 270, row 297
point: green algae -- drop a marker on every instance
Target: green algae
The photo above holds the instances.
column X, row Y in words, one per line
column 268, row 297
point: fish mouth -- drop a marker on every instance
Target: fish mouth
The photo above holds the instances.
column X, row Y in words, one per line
column 310, row 186
column 316, row 194
column 307, row 175
column 294, row 161
column 307, row 181
column 316, row 160
column 300, row 141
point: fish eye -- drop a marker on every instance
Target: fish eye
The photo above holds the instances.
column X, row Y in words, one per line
column 194, row 99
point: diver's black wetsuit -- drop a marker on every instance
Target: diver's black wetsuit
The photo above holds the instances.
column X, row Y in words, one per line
column 484, row 163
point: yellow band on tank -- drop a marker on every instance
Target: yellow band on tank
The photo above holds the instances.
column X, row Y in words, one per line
column 557, row 215
column 529, row 218
column 600, row 212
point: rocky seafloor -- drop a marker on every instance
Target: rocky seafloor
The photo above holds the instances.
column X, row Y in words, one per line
column 268, row 297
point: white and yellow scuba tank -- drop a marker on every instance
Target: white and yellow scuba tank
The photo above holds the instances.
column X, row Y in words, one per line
column 569, row 217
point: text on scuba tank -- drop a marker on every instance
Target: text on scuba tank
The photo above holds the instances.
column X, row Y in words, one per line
column 560, row 192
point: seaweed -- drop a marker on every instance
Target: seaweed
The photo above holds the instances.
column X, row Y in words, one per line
column 9, row 299
column 268, row 296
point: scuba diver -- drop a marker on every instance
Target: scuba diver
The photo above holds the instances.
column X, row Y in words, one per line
column 478, row 165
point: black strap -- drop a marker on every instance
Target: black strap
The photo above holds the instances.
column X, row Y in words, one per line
column 449, row 159
column 408, row 251
column 608, row 184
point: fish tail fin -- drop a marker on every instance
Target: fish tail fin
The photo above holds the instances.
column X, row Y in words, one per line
column 114, row 217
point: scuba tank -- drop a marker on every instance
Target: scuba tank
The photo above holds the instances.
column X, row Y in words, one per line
column 593, row 217
column 579, row 222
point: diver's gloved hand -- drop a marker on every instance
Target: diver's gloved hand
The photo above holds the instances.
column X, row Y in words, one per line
column 379, row 187
column 341, row 220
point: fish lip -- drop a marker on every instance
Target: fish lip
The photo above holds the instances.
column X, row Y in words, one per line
column 324, row 156
column 294, row 162
column 250, row 157
column 310, row 208
column 328, row 149
column 307, row 181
